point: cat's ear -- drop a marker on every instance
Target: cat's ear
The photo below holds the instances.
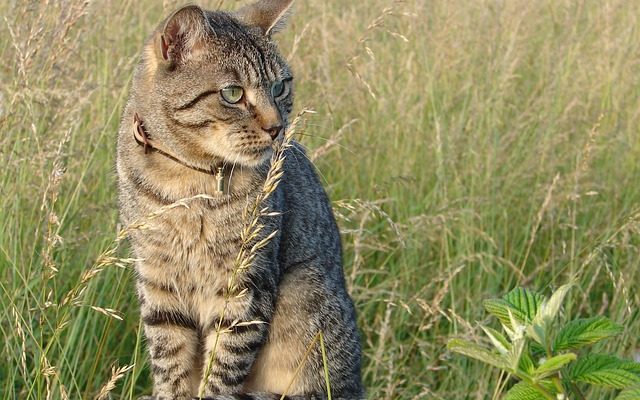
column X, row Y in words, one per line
column 182, row 34
column 269, row 15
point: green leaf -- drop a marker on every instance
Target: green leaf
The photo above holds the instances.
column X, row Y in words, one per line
column 515, row 353
column 537, row 332
column 526, row 362
column 497, row 339
column 582, row 332
column 537, row 350
column 522, row 303
column 605, row 370
column 524, row 391
column 525, row 301
column 549, row 309
column 553, row 365
column 500, row 309
column 547, row 312
column 477, row 352
column 629, row 394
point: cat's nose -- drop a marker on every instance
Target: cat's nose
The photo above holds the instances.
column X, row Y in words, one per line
column 273, row 130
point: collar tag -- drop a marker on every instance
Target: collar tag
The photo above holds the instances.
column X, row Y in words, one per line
column 220, row 179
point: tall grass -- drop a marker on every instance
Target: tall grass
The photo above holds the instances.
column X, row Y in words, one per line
column 469, row 146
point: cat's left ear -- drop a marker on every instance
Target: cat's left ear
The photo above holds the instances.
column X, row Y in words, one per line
column 182, row 34
column 269, row 15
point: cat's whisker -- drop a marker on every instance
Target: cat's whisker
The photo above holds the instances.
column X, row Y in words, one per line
column 233, row 167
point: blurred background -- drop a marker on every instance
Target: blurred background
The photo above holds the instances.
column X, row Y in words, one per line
column 468, row 147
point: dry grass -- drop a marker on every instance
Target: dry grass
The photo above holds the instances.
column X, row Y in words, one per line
column 468, row 146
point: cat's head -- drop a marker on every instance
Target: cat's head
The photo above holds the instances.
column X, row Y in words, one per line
column 213, row 86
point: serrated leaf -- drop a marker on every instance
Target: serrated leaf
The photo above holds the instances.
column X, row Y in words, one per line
column 547, row 312
column 515, row 331
column 523, row 304
column 553, row 365
column 524, row 300
column 629, row 394
column 537, row 332
column 500, row 309
column 526, row 362
column 477, row 352
column 605, row 370
column 614, row 378
column 517, row 349
column 523, row 391
column 582, row 332
column 498, row 340
column 537, row 351
column 549, row 309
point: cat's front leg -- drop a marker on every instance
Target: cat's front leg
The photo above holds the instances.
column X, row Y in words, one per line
column 231, row 344
column 173, row 342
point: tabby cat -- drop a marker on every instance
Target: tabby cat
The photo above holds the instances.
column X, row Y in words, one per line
column 209, row 97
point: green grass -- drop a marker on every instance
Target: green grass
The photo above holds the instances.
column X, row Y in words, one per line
column 456, row 117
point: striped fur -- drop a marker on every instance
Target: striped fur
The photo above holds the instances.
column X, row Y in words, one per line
column 295, row 286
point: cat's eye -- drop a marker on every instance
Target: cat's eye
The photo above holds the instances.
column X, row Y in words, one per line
column 277, row 89
column 232, row 94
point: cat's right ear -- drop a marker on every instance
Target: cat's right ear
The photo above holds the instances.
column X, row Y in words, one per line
column 182, row 35
column 269, row 15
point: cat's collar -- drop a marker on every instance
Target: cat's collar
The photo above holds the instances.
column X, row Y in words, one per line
column 142, row 138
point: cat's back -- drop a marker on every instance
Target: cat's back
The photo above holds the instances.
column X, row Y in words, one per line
column 310, row 230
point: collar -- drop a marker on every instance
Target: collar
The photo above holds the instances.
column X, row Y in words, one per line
column 142, row 138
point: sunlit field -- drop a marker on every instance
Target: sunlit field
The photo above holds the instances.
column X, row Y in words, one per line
column 468, row 147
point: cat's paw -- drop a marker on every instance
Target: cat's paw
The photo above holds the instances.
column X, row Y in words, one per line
column 147, row 398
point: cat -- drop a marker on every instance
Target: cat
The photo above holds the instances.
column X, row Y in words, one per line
column 209, row 97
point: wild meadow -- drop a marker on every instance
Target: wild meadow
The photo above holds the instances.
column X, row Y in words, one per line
column 468, row 147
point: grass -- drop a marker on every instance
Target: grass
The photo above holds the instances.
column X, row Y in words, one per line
column 469, row 147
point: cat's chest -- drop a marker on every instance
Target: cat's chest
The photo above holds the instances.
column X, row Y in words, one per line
column 212, row 231
column 197, row 246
